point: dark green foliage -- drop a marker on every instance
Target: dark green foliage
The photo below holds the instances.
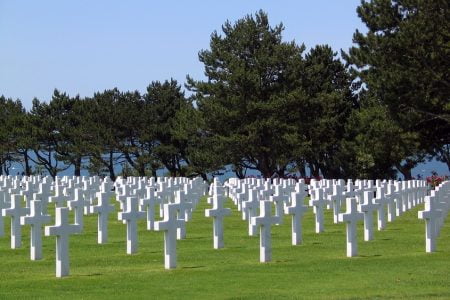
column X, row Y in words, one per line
column 266, row 105
column 253, row 81
column 403, row 60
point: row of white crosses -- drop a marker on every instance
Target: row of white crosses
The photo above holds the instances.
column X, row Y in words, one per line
column 79, row 194
column 362, row 199
column 437, row 205
column 285, row 196
column 176, row 198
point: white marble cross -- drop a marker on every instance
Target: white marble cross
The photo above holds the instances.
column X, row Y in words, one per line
column 184, row 209
column 103, row 208
column 264, row 221
column 398, row 199
column 130, row 216
column 319, row 202
column 169, row 225
column 390, row 198
column 430, row 214
column 62, row 230
column 279, row 199
column 250, row 207
column 296, row 209
column 368, row 207
column 351, row 217
column 405, row 196
column 36, row 219
column 43, row 194
column 16, row 211
column 77, row 205
column 381, row 201
column 148, row 204
column 2, row 206
column 27, row 192
column 59, row 198
column 218, row 212
column 336, row 199
column 127, row 192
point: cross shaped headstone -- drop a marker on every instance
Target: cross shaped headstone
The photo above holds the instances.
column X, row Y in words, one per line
column 368, row 207
column 381, row 200
column 27, row 192
column 148, row 204
column 405, row 196
column 59, row 198
column 398, row 199
column 36, row 219
column 130, row 216
column 164, row 194
column 103, row 208
column 218, row 212
column 319, row 202
column 77, row 205
column 391, row 194
column 184, row 208
column 296, row 209
column 122, row 197
column 279, row 199
column 251, row 208
column 351, row 217
column 169, row 225
column 2, row 206
column 336, row 199
column 62, row 230
column 43, row 194
column 264, row 221
column 16, row 211
column 430, row 214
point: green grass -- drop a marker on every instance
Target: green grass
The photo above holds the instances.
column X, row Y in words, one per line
column 394, row 265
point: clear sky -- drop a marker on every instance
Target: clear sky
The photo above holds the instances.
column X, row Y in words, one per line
column 81, row 46
column 85, row 46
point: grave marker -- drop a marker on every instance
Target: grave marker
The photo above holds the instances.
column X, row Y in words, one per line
column 169, row 225
column 351, row 217
column 264, row 221
column 36, row 219
column 62, row 230
column 130, row 217
column 16, row 211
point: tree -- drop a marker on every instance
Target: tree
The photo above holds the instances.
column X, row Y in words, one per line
column 324, row 112
column 374, row 144
column 403, row 61
column 45, row 127
column 253, row 81
column 11, row 117
column 102, row 119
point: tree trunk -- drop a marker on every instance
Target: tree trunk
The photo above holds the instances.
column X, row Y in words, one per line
column 77, row 165
column 406, row 169
column 112, row 174
column 301, row 168
column 27, row 164
column 314, row 169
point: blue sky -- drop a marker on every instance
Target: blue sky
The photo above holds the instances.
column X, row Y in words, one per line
column 84, row 46
column 81, row 47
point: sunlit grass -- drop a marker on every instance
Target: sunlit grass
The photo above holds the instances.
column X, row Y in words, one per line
column 394, row 265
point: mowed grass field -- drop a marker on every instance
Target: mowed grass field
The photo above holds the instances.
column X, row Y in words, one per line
column 393, row 265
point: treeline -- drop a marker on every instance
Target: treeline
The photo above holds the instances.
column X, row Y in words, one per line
column 266, row 105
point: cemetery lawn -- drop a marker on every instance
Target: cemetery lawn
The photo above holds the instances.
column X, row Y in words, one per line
column 393, row 265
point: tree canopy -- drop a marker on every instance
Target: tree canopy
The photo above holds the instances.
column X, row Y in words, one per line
column 266, row 104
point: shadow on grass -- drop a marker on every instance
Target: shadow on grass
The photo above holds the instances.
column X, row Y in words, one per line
column 193, row 267
column 89, row 275
column 373, row 255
